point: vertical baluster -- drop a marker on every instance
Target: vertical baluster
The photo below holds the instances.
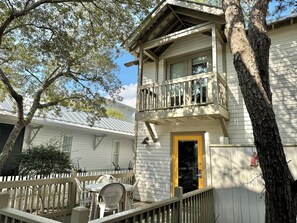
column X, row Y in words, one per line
column 59, row 197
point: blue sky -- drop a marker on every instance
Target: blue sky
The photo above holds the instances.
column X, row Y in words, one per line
column 128, row 77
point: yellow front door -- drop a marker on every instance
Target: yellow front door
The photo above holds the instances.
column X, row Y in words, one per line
column 187, row 159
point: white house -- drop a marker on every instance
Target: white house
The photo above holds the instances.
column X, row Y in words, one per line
column 193, row 129
column 91, row 148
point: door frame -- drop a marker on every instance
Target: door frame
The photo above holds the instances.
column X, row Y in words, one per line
column 199, row 135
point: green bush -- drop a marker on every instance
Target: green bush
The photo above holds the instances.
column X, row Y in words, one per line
column 43, row 160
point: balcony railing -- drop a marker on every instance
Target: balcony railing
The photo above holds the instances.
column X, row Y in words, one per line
column 195, row 90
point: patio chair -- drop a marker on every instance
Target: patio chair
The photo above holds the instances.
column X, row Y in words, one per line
column 106, row 178
column 130, row 195
column 113, row 195
column 83, row 199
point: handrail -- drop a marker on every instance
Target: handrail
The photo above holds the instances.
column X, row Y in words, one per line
column 52, row 197
column 24, row 217
column 169, row 209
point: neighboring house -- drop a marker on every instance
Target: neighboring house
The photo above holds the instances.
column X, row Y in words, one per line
column 193, row 128
column 90, row 148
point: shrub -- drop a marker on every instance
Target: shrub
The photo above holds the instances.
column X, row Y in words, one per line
column 43, row 160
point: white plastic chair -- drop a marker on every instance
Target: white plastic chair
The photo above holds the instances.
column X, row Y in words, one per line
column 107, row 178
column 130, row 195
column 112, row 195
column 82, row 199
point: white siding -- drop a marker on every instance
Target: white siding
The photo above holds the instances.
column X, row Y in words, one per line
column 227, row 169
column 283, row 80
column 83, row 147
column 239, row 188
column 153, row 161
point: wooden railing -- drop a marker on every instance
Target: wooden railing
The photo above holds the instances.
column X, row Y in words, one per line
column 53, row 198
column 195, row 90
column 193, row 207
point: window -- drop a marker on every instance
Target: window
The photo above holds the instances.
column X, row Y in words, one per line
column 194, row 64
column 199, row 65
column 67, row 143
column 116, row 153
column 189, row 65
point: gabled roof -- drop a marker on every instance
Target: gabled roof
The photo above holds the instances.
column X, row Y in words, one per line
column 171, row 16
column 72, row 119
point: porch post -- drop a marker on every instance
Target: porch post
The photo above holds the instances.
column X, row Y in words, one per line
column 80, row 215
column 214, row 49
column 178, row 193
column 4, row 200
column 140, row 78
column 213, row 85
column 72, row 195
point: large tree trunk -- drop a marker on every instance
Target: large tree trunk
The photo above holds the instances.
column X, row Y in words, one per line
column 250, row 51
column 10, row 143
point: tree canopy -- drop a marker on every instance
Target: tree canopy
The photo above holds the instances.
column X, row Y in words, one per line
column 61, row 53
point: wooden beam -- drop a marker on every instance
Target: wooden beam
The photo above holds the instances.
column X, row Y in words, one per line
column 197, row 7
column 177, row 35
column 224, row 127
column 33, row 133
column 199, row 15
column 152, row 134
column 151, row 55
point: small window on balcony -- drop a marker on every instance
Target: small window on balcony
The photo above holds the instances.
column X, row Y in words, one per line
column 199, row 65
column 189, row 65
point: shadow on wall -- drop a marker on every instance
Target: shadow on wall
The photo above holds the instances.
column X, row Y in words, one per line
column 238, row 185
column 239, row 204
column 283, row 69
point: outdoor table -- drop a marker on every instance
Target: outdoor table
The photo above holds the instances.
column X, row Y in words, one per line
column 95, row 188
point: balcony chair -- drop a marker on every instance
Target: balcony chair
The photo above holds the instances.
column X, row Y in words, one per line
column 130, row 195
column 83, row 199
column 106, row 178
column 112, row 195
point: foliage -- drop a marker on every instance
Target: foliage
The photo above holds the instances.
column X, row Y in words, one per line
column 112, row 113
column 43, row 160
column 61, row 53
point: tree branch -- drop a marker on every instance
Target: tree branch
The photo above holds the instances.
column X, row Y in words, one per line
column 33, row 75
column 20, row 13
column 17, row 97
column 28, row 24
column 56, row 102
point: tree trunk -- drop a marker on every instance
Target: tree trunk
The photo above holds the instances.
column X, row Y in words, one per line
column 10, row 143
column 250, row 51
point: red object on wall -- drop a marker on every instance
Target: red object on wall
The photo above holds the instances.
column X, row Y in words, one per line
column 254, row 160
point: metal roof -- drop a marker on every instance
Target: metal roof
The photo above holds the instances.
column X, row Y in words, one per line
column 76, row 118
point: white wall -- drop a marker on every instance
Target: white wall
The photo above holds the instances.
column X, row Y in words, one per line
column 238, row 187
column 154, row 161
column 283, row 80
column 83, row 147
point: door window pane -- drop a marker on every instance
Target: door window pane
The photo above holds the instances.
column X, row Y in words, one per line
column 199, row 65
column 176, row 70
column 188, row 172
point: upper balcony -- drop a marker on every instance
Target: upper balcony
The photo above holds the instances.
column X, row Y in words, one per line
column 201, row 96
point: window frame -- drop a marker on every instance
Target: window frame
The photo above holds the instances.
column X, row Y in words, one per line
column 187, row 60
column 68, row 145
column 114, row 152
